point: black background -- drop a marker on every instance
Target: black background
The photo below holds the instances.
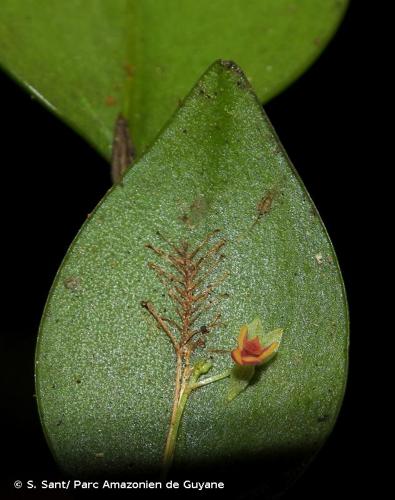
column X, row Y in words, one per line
column 51, row 179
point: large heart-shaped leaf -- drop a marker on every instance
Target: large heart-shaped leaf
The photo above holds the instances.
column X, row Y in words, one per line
column 217, row 177
column 88, row 60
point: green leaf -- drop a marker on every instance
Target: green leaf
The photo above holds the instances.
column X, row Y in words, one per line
column 88, row 60
column 240, row 377
column 106, row 372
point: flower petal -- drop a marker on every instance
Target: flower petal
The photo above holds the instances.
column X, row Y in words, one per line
column 272, row 336
column 242, row 336
column 236, row 356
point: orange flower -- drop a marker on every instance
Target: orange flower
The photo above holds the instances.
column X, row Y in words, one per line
column 251, row 351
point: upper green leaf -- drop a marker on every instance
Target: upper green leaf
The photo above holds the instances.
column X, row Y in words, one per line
column 88, row 60
column 106, row 372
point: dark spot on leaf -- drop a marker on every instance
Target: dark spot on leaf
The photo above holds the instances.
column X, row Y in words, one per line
column 196, row 212
column 111, row 101
column 232, row 66
column 323, row 418
column 129, row 69
column 59, row 422
column 72, row 283
column 203, row 92
column 265, row 203
column 242, row 84
column 185, row 219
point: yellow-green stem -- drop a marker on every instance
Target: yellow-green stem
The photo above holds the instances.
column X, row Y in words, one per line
column 209, row 380
column 198, row 370
column 173, row 432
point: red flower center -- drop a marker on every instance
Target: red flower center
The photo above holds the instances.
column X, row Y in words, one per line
column 252, row 347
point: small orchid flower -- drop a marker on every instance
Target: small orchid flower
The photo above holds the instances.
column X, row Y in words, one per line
column 254, row 348
column 251, row 351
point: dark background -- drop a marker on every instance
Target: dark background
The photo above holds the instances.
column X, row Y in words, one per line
column 51, row 180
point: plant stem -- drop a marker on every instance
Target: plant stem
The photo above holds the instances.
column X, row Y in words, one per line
column 209, row 380
column 173, row 432
column 179, row 406
column 122, row 150
column 174, row 420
